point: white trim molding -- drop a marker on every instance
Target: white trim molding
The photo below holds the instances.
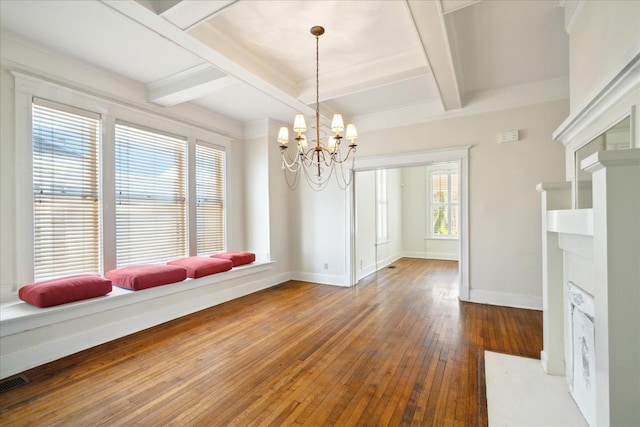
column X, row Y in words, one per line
column 504, row 299
column 321, row 279
column 621, row 82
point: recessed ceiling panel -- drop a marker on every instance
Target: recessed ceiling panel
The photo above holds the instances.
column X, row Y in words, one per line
column 406, row 93
column 277, row 33
column 498, row 44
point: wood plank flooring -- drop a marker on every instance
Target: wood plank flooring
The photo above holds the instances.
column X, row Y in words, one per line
column 398, row 349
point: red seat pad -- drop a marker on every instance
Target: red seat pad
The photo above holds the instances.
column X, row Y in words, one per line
column 64, row 289
column 197, row 266
column 138, row 277
column 238, row 258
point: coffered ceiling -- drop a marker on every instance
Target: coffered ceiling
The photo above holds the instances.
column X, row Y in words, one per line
column 382, row 63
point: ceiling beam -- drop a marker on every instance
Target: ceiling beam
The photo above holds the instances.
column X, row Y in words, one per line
column 365, row 76
column 188, row 13
column 188, row 85
column 143, row 16
column 430, row 26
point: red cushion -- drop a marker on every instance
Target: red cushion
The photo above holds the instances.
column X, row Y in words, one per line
column 64, row 289
column 138, row 277
column 200, row 266
column 238, row 258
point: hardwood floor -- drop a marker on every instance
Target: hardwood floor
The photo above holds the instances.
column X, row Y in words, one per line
column 399, row 349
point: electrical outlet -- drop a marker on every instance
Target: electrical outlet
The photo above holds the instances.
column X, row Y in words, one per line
column 326, row 266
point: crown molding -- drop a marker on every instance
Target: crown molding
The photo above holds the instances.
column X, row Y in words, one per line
column 477, row 103
column 609, row 93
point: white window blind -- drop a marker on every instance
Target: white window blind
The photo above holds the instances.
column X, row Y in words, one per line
column 444, row 204
column 210, row 215
column 150, row 196
column 66, row 206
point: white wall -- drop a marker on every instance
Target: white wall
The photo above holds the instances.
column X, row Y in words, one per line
column 604, row 36
column 319, row 234
column 365, row 205
column 256, row 190
column 505, row 247
column 394, row 195
column 370, row 256
column 416, row 217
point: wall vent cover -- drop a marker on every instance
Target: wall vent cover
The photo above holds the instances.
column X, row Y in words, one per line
column 12, row 382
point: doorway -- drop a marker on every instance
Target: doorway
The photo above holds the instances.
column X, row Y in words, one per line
column 372, row 246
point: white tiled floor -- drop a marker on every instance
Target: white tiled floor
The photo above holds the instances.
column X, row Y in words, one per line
column 519, row 393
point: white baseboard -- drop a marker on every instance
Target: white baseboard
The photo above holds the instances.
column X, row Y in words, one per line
column 504, row 299
column 430, row 255
column 387, row 262
column 322, row 279
column 370, row 269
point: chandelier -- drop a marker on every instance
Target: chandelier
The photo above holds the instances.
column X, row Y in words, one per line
column 321, row 161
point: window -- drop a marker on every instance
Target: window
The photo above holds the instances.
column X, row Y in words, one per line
column 66, row 205
column 444, row 203
column 106, row 190
column 151, row 223
column 382, row 207
column 210, row 174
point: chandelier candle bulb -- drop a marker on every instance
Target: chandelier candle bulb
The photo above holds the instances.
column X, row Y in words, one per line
column 351, row 134
column 331, row 145
column 283, row 136
column 337, row 124
column 299, row 124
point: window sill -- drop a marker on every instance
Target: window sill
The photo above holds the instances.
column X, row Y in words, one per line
column 16, row 317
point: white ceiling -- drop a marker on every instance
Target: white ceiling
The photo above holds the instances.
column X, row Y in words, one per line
column 249, row 60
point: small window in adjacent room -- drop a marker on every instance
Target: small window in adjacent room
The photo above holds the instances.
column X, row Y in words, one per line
column 210, row 184
column 444, row 203
column 150, row 184
column 382, row 207
column 66, row 205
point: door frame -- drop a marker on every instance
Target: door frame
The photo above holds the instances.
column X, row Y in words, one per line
column 458, row 154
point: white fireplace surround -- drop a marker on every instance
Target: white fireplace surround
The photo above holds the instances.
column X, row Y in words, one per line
column 597, row 251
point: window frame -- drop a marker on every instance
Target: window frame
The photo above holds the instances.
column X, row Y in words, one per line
column 26, row 88
column 449, row 204
column 382, row 207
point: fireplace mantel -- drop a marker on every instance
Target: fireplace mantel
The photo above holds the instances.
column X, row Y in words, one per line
column 598, row 250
